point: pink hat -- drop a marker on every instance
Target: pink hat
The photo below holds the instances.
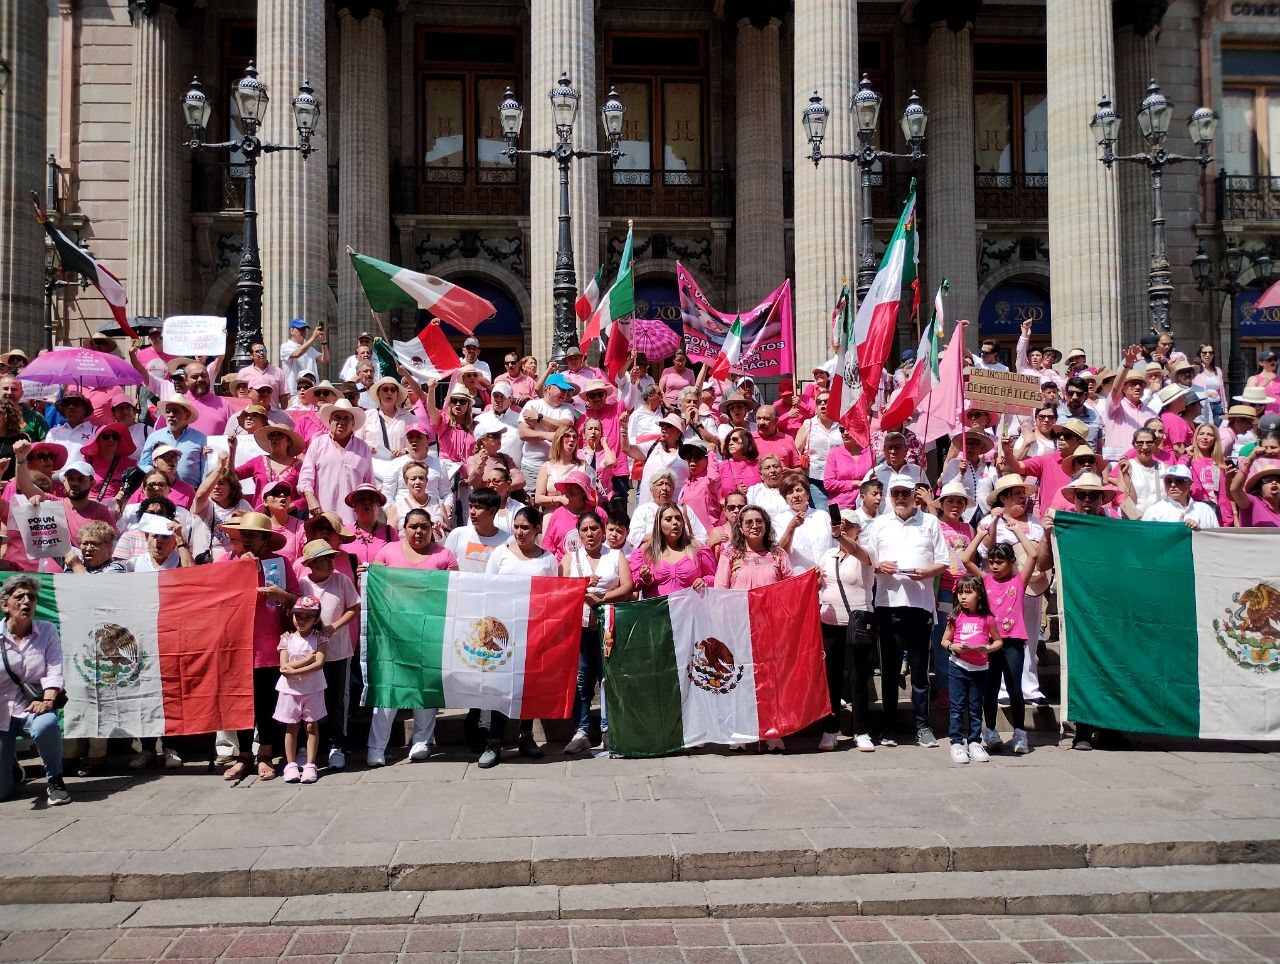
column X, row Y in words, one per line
column 1259, row 470
column 124, row 448
column 306, row 604
column 366, row 487
column 422, row 428
column 259, row 382
column 583, row 481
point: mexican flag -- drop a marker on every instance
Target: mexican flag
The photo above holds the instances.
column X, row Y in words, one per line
column 846, row 382
column 1180, row 636
column 389, row 286
column 730, row 352
column 429, row 357
column 722, row 666
column 462, row 639
column 612, row 317
column 590, row 297
column 924, row 373
column 74, row 259
column 155, row 654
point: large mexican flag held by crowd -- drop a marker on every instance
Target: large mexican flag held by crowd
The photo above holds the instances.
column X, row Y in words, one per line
column 155, row 654
column 721, row 666
column 1170, row 631
column 463, row 639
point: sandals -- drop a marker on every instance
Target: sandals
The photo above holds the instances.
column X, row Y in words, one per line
column 265, row 770
column 237, row 771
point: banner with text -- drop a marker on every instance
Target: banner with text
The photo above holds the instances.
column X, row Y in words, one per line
column 766, row 329
column 43, row 528
column 195, row 335
column 991, row 391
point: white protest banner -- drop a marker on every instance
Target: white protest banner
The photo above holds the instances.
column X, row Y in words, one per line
column 39, row 391
column 43, row 527
column 195, row 335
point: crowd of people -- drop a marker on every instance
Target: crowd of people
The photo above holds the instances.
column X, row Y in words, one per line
column 658, row 481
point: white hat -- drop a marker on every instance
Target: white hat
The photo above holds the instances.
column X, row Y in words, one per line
column 1176, row 471
column 154, row 525
column 501, row 388
column 1170, row 394
column 82, row 467
column 851, row 517
column 900, row 480
column 489, row 424
column 956, row 488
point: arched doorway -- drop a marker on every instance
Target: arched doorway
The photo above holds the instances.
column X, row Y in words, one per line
column 502, row 333
column 1006, row 307
column 657, row 298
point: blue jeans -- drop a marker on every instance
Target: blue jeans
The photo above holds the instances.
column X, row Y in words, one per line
column 966, row 688
column 817, row 495
column 1007, row 662
column 590, row 672
column 941, row 659
column 43, row 731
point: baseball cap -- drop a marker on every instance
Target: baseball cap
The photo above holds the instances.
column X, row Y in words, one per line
column 82, row 467
column 501, row 388
column 901, row 480
column 154, row 525
column 298, row 323
column 560, row 382
column 1176, row 471
column 471, row 343
column 364, row 336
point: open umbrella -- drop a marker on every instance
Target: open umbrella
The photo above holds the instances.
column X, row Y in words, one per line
column 82, row 367
column 1270, row 298
column 654, row 339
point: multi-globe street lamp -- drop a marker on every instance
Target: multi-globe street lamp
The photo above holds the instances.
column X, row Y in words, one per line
column 1155, row 114
column 564, row 111
column 251, row 97
column 1226, row 280
column 865, row 107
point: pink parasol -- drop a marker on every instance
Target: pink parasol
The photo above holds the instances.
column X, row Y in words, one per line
column 82, row 367
column 654, row 338
column 1270, row 298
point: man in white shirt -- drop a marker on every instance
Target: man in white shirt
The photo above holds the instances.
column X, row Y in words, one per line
column 472, row 544
column 1177, row 504
column 909, row 550
column 988, row 357
column 299, row 354
column 471, row 356
column 501, row 410
column 363, row 352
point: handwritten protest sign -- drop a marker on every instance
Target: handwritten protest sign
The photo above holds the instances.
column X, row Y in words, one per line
column 44, row 529
column 1002, row 391
column 195, row 335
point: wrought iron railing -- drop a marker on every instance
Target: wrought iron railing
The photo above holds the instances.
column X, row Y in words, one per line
column 1248, row 197
column 460, row 190
column 1011, row 196
column 672, row 194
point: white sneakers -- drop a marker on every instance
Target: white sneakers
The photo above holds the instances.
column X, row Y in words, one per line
column 864, row 743
column 958, row 754
column 419, row 752
column 376, row 758
column 977, row 754
column 828, row 741
column 580, row 742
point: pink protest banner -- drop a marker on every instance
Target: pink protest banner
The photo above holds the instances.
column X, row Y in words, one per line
column 766, row 328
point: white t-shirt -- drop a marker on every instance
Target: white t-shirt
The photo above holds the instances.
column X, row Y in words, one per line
column 504, row 562
column 1166, row 510
column 144, row 563
column 810, row 540
column 512, row 444
column 293, row 367
column 536, row 451
column 473, row 550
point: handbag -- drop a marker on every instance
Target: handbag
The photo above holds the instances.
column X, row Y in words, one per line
column 32, row 692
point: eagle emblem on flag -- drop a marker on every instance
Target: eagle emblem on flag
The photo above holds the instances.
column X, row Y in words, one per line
column 1250, row 633
column 488, row 646
column 113, row 660
column 712, row 667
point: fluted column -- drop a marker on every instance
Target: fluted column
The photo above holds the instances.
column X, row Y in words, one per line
column 155, row 281
column 363, row 204
column 1135, row 44
column 950, row 231
column 760, row 253
column 1083, row 233
column 293, row 195
column 24, row 45
column 826, row 60
column 563, row 38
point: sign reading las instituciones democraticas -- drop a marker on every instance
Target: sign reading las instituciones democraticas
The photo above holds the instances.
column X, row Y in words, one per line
column 1001, row 391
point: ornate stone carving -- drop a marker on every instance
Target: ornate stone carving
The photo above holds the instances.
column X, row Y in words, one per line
column 998, row 251
column 698, row 252
column 507, row 251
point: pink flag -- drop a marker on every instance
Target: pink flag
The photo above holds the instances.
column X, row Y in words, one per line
column 940, row 409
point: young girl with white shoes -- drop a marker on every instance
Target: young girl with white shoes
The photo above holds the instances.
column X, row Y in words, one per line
column 971, row 637
column 301, row 688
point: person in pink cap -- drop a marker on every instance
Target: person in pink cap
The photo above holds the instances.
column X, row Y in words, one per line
column 1255, row 492
column 559, row 535
column 301, row 687
column 111, row 454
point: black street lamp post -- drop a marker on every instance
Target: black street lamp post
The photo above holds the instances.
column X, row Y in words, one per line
column 251, row 98
column 564, row 109
column 1234, row 264
column 1154, row 116
column 865, row 107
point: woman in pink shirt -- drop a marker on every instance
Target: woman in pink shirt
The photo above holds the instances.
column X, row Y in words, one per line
column 847, row 465
column 739, row 462
column 1209, row 481
column 453, row 428
column 1255, row 490
column 596, row 453
column 1266, row 379
column 282, row 463
column 369, row 535
column 418, row 548
column 675, row 379
column 700, row 492
column 274, row 502
column 1208, row 377
column 752, row 558
column 671, row 560
column 111, row 453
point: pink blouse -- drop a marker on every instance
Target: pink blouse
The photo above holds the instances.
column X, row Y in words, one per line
column 438, row 557
column 668, row 577
column 735, row 473
column 749, row 570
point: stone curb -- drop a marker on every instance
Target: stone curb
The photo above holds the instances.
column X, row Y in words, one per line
column 1170, row 889
column 454, row 865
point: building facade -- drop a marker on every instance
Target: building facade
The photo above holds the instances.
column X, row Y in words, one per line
column 1014, row 207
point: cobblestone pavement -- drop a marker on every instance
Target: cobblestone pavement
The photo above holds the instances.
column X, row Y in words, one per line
column 1143, row 937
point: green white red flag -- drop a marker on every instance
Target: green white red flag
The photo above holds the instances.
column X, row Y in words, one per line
column 389, row 286
column 845, row 395
column 612, row 317
column 924, row 373
column 74, row 259
column 155, row 654
column 730, row 352
column 586, row 304
column 428, row 357
column 463, row 639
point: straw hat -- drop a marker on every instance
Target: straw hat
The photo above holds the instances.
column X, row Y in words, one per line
column 1138, row 373
column 324, row 387
column 173, row 364
column 335, row 523
column 956, row 488
column 460, row 391
column 257, row 522
column 1242, row 411
column 1170, row 394
column 734, row 398
column 316, row 550
column 1076, row 427
column 254, row 409
column 232, row 379
column 1103, row 377
column 366, row 487
column 1261, row 469
column 1075, row 353
column 296, row 443
column 976, row 436
column 671, row 420
column 1007, row 483
column 1091, row 482
column 184, row 403
column 1080, row 452
column 342, row 405
column 16, row 353
column 1253, row 395
column 388, row 380
column 1180, row 366
column 594, row 385
column 124, row 448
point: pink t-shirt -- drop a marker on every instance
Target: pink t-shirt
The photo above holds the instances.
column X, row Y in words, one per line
column 734, row 473
column 782, row 446
column 1176, row 429
column 337, row 594
column 366, row 545
column 1048, row 469
column 214, row 411
column 301, row 647
column 437, row 557
column 672, row 383
column 1259, row 513
column 1209, row 484
column 268, row 622
column 972, row 631
column 844, row 474
column 1005, row 599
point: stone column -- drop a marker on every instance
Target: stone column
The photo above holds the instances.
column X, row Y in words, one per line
column 826, row 216
column 24, row 46
column 758, row 224
column 1083, row 219
column 950, row 232
column 363, row 221
column 156, row 205
column 293, row 195
column 1135, row 45
column 563, row 37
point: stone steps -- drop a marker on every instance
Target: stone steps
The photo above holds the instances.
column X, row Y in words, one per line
column 1090, row 890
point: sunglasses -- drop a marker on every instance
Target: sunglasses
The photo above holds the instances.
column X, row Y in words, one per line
column 42, row 455
column 1088, row 496
column 1046, row 418
column 458, row 401
column 1074, row 393
column 109, row 437
column 259, row 351
column 511, row 361
column 389, row 389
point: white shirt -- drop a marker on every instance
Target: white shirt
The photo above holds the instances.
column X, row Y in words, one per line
column 1146, row 484
column 144, row 563
column 660, row 460
column 859, row 586
column 993, row 367
column 913, row 543
column 770, row 500
column 536, row 450
column 883, row 472
column 819, row 443
column 811, row 539
column 512, row 444
column 642, row 525
column 504, row 562
column 473, row 550
column 1166, row 510
column 293, row 367
column 348, row 371
column 439, row 486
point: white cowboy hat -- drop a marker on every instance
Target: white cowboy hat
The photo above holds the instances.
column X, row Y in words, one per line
column 342, row 405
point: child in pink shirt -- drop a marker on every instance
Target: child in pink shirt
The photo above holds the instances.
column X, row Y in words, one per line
column 970, row 637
